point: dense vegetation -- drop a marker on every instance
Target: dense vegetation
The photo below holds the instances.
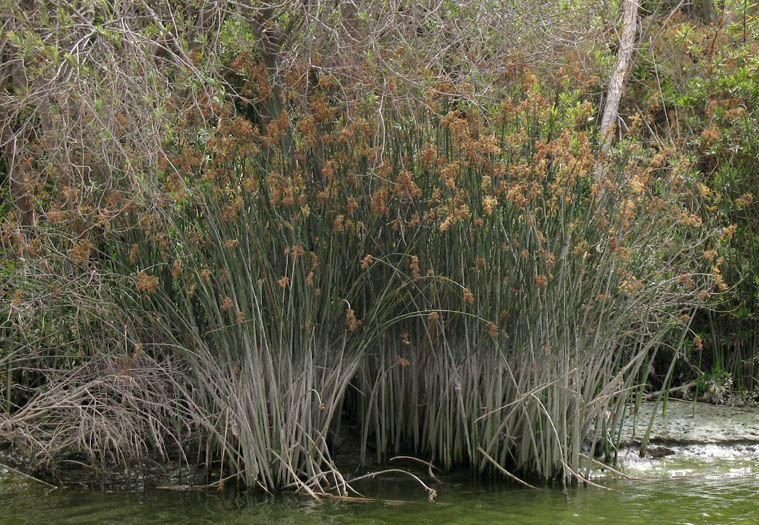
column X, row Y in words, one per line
column 242, row 234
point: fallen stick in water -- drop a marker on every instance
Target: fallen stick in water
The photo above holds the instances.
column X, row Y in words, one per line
column 28, row 475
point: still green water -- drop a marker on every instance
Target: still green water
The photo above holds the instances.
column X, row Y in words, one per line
column 724, row 488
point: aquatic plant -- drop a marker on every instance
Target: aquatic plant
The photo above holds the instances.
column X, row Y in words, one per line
column 475, row 294
column 462, row 278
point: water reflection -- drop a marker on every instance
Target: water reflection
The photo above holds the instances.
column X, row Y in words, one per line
column 720, row 496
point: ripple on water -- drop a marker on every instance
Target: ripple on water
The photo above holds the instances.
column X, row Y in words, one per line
column 700, row 461
column 680, row 500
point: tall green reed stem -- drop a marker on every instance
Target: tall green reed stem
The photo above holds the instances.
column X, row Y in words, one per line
column 482, row 298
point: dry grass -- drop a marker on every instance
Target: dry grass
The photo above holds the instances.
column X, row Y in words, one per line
column 106, row 413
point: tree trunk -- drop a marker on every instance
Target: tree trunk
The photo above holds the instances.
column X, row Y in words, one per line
column 617, row 81
column 17, row 180
column 708, row 12
column 10, row 77
column 350, row 20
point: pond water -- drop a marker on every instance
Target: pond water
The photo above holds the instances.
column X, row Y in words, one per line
column 696, row 485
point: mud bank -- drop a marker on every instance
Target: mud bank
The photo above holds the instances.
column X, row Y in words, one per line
column 696, row 441
column 689, row 423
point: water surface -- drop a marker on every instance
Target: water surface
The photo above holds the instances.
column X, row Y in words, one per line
column 697, row 485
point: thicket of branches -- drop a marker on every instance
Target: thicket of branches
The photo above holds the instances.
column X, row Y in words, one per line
column 92, row 93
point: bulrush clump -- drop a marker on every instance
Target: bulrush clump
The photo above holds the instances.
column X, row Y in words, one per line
column 552, row 284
